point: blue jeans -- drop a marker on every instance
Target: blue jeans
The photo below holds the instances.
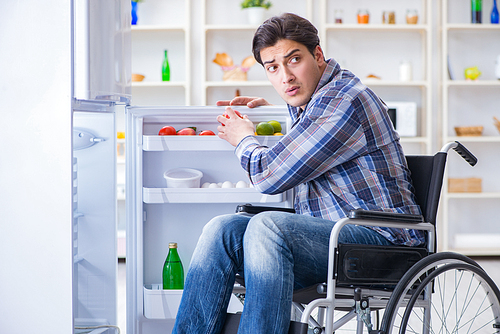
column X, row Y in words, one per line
column 276, row 253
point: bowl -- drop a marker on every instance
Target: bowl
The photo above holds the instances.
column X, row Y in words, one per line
column 137, row 77
column 183, row 178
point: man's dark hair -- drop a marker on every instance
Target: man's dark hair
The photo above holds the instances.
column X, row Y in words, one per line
column 286, row 26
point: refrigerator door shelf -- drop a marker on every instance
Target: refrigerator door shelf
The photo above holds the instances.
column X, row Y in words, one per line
column 196, row 143
column 163, row 304
column 208, row 195
column 159, row 303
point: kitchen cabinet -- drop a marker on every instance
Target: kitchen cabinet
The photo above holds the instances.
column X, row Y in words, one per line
column 381, row 50
column 160, row 27
column 470, row 224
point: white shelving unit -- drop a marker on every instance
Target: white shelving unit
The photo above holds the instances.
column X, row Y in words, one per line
column 155, row 32
column 373, row 48
column 234, row 37
column 469, row 219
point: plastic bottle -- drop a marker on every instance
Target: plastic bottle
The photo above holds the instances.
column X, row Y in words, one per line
column 494, row 13
column 165, row 69
column 173, row 272
column 476, row 10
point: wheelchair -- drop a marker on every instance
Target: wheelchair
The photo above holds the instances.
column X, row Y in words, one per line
column 396, row 289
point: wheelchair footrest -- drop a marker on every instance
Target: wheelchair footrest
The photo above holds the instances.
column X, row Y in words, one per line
column 233, row 321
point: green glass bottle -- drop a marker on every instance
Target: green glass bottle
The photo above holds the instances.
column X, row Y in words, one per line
column 165, row 69
column 173, row 272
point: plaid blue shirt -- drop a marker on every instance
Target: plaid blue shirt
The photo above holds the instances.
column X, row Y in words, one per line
column 341, row 153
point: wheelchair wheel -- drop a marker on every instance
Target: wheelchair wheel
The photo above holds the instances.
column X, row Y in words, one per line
column 444, row 293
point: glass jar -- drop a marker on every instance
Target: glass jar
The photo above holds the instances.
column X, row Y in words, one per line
column 337, row 15
column 389, row 17
column 363, row 16
column 411, row 16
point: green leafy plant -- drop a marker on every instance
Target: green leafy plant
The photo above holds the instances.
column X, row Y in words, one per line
column 256, row 3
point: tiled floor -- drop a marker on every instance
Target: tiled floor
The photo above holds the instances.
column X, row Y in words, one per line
column 491, row 265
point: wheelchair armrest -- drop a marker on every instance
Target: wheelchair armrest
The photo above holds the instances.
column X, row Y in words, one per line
column 386, row 216
column 253, row 210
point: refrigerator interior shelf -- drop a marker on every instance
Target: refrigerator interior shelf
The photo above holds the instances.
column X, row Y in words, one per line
column 159, row 303
column 196, row 143
column 208, row 195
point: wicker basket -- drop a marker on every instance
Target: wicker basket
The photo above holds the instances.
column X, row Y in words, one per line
column 235, row 74
column 465, row 185
column 137, row 77
column 497, row 123
column 469, row 130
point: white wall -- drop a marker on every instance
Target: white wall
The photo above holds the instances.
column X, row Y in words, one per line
column 35, row 167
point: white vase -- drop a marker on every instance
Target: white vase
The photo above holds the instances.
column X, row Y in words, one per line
column 256, row 15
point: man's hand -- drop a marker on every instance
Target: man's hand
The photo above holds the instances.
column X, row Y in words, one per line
column 234, row 128
column 250, row 102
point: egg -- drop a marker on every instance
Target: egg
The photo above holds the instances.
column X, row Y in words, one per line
column 241, row 184
column 227, row 184
column 219, row 184
column 213, row 185
column 205, row 185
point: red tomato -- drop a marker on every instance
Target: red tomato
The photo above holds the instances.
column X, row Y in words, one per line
column 207, row 133
column 236, row 112
column 167, row 131
column 186, row 132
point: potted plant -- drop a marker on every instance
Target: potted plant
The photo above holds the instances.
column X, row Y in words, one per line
column 256, row 10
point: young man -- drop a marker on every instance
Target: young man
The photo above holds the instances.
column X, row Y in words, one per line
column 341, row 153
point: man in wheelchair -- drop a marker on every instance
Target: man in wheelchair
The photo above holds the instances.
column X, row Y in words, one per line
column 341, row 153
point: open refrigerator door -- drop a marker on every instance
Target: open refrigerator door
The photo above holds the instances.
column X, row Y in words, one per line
column 158, row 214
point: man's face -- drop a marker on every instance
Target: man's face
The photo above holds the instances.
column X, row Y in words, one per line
column 293, row 71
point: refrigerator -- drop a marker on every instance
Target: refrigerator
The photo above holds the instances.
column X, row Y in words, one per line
column 155, row 213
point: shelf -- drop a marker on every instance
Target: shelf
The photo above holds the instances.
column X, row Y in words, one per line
column 482, row 195
column 471, row 83
column 422, row 140
column 380, row 27
column 470, row 26
column 237, row 83
column 474, row 139
column 196, row 143
column 158, row 84
column 230, row 27
column 159, row 303
column 376, row 82
column 158, row 28
column 207, row 195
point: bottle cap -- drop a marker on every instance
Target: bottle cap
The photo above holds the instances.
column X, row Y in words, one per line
column 172, row 245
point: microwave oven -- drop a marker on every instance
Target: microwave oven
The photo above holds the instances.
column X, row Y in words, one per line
column 403, row 116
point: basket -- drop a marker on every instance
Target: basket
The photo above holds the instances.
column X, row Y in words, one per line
column 469, row 130
column 465, row 185
column 496, row 121
column 235, row 74
column 137, row 77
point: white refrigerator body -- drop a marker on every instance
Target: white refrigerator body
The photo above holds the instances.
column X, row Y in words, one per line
column 157, row 215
